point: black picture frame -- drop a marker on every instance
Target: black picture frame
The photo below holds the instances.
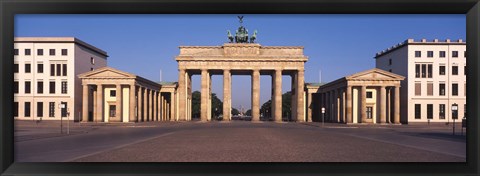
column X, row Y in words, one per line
column 8, row 9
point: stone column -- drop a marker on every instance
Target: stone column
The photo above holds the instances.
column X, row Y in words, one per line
column 159, row 109
column 132, row 100
column 349, row 104
column 154, row 105
column 172, row 106
column 182, row 91
column 145, row 105
column 100, row 103
column 363, row 108
column 139, row 104
column 383, row 103
column 209, row 95
column 272, row 105
column 256, row 95
column 152, row 92
column 118, row 103
column 204, row 96
column 300, row 96
column 389, row 105
column 278, row 95
column 396, row 115
column 294, row 97
column 85, row 103
column 342, row 104
column 309, row 107
column 227, row 91
column 95, row 92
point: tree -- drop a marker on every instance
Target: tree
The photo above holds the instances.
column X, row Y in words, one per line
column 266, row 108
column 217, row 106
column 196, row 104
column 249, row 112
column 235, row 111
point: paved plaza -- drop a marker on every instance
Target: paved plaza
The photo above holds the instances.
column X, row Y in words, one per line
column 236, row 141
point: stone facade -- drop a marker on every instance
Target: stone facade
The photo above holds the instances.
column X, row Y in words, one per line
column 246, row 59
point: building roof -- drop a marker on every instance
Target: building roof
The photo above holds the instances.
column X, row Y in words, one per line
column 59, row 40
column 421, row 42
column 114, row 73
column 371, row 74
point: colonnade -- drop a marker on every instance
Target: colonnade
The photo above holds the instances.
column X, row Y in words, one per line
column 184, row 91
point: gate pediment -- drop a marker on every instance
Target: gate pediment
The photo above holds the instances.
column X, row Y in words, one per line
column 375, row 74
column 106, row 72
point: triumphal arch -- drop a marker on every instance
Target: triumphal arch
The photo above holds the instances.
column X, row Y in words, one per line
column 241, row 56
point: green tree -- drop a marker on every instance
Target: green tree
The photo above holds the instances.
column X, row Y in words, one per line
column 249, row 112
column 235, row 111
column 266, row 108
column 196, row 104
column 217, row 106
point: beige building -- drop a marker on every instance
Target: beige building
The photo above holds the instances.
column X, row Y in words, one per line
column 45, row 70
column 435, row 78
column 111, row 95
column 370, row 96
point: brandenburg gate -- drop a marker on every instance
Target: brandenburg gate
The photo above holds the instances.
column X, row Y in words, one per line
column 241, row 59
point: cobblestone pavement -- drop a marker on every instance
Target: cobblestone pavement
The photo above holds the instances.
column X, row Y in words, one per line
column 241, row 141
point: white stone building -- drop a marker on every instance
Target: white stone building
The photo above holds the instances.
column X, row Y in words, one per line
column 45, row 75
column 434, row 78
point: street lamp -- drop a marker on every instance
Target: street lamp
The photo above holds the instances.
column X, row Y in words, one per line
column 454, row 115
column 323, row 116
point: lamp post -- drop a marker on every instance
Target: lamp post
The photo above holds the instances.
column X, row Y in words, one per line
column 323, row 116
column 454, row 115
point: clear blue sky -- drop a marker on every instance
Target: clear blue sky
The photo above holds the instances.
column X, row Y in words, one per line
column 338, row 45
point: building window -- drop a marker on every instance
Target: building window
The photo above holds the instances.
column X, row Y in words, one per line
column 442, row 53
column 27, row 87
column 464, row 89
column 465, row 54
column 15, row 52
column 15, row 68
column 454, row 53
column 39, row 68
column 28, row 52
column 417, row 70
column 430, row 89
column 15, row 109
column 369, row 95
column 424, row 71
column 465, row 110
column 64, row 110
column 51, row 109
column 454, row 89
column 418, row 54
column 28, row 68
column 442, row 89
column 369, row 112
column 92, row 60
column 454, row 70
column 27, row 109
column 441, row 111
column 52, row 69
column 390, row 70
column 465, row 70
column 64, row 70
column 64, row 52
column 52, row 87
column 429, row 53
column 429, row 111
column 40, row 52
column 418, row 111
column 430, row 69
column 418, row 89
column 59, row 71
column 389, row 61
column 113, row 109
column 113, row 93
column 91, row 69
column 64, row 87
column 442, row 70
column 39, row 109
column 52, row 52
column 40, row 87
column 15, row 87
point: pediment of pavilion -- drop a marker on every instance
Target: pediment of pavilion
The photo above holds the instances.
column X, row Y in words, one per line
column 375, row 74
column 106, row 72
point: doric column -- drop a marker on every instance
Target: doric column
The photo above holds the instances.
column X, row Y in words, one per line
column 349, row 104
column 145, row 105
column 182, row 91
column 139, row 104
column 300, row 96
column 150, row 112
column 85, row 103
column 172, row 106
column 389, row 105
column 337, row 104
column 204, row 96
column 159, row 109
column 278, row 95
column 132, row 100
column 227, row 92
column 363, row 107
column 154, row 108
column 95, row 92
column 396, row 115
column 256, row 95
column 293, row 98
column 383, row 103
column 342, row 104
column 100, row 103
column 118, row 102
column 309, row 106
